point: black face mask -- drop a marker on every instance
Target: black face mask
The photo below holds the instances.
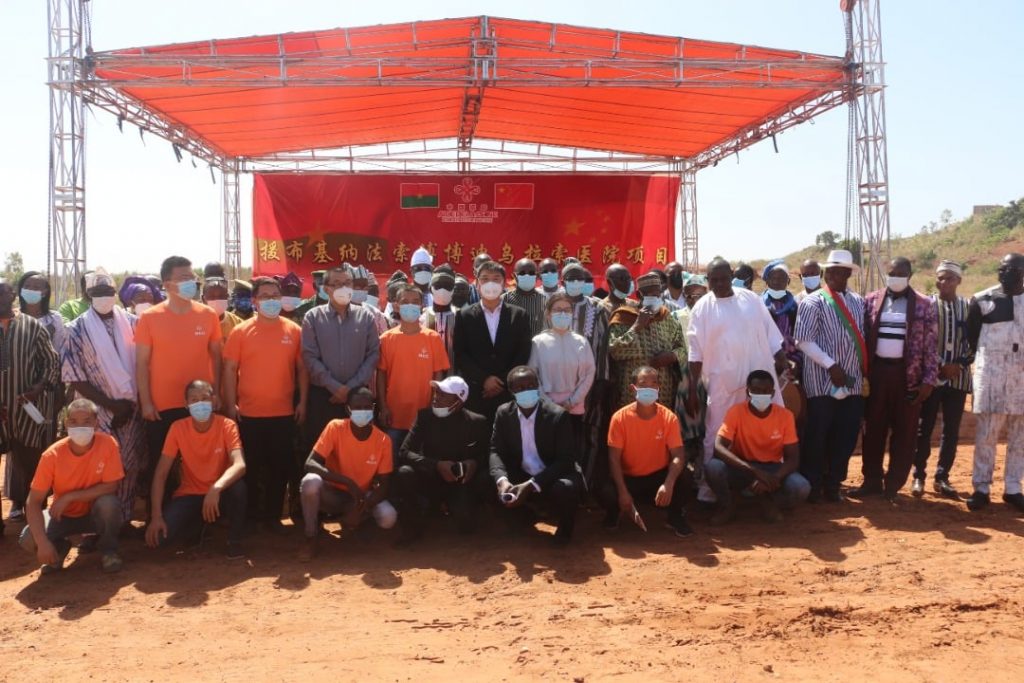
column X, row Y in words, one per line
column 676, row 280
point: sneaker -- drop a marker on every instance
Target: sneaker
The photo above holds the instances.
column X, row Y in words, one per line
column 723, row 515
column 917, row 488
column 679, row 526
column 1015, row 500
column 942, row 487
column 310, row 548
column 17, row 514
column 611, row 520
column 977, row 501
column 769, row 509
column 234, row 551
column 111, row 563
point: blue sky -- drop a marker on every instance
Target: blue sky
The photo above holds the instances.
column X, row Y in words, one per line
column 954, row 107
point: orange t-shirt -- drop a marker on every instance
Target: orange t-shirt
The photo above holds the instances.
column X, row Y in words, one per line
column 645, row 444
column 62, row 471
column 266, row 352
column 180, row 350
column 204, row 455
column 358, row 460
column 758, row 439
column 410, row 361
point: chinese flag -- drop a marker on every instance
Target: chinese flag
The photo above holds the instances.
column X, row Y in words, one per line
column 420, row 195
column 513, row 195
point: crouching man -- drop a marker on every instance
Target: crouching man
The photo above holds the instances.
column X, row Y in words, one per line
column 757, row 449
column 83, row 470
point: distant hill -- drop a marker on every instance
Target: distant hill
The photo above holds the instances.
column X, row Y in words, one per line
column 978, row 242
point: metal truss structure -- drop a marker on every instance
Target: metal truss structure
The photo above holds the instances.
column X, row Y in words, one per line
column 74, row 84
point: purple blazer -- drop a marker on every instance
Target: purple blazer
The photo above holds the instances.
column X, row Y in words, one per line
column 922, row 335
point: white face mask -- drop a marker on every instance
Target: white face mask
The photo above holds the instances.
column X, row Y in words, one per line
column 442, row 297
column 342, row 295
column 81, row 436
column 290, row 303
column 490, row 290
column 218, row 305
column 777, row 293
column 897, row 284
column 103, row 304
column 142, row 306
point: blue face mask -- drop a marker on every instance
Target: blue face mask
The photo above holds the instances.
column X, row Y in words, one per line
column 561, row 320
column 359, row 296
column 812, row 282
column 201, row 410
column 322, row 293
column 361, row 418
column 760, row 402
column 574, row 287
column 527, row 398
column 243, row 304
column 622, row 295
column 31, row 296
column 645, row 396
column 373, row 301
column 526, row 282
column 588, row 289
column 409, row 312
column 653, row 303
column 270, row 307
column 738, row 283
column 187, row 290
column 550, row 280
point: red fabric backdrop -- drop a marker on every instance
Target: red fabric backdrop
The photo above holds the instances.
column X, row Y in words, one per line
column 303, row 223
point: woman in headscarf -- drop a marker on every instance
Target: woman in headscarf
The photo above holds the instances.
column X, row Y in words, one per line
column 138, row 293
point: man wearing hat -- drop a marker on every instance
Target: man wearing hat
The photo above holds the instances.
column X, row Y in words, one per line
column 319, row 296
column 442, row 460
column 422, row 267
column 291, row 296
column 440, row 315
column 361, row 277
column 954, row 382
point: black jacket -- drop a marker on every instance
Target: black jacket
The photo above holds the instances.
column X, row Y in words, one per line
column 476, row 358
column 555, row 444
column 462, row 436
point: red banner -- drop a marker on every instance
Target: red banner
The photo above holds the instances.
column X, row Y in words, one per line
column 303, row 223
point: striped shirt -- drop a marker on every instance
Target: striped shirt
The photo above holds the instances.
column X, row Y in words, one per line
column 953, row 346
column 818, row 322
column 533, row 302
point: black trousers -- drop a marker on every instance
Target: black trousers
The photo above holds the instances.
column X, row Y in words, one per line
column 951, row 401
column 643, row 490
column 559, row 498
column 269, row 463
column 320, row 411
column 420, row 489
column 156, row 434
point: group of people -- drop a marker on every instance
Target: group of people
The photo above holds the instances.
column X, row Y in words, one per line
column 241, row 401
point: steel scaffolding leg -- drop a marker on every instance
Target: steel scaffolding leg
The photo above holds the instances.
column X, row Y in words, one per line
column 686, row 240
column 872, row 159
column 69, row 37
column 231, row 205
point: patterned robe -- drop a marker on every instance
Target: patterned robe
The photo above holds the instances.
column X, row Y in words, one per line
column 631, row 350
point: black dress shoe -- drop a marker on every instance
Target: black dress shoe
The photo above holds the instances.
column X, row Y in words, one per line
column 1014, row 499
column 917, row 488
column 942, row 487
column 977, row 501
column 866, row 490
column 834, row 496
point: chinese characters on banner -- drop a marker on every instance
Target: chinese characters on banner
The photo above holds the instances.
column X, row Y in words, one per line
column 303, row 223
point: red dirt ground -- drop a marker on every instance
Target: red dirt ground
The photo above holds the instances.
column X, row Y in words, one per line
column 925, row 591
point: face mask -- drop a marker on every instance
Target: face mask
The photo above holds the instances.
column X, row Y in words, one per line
column 490, row 290
column 738, row 283
column 574, row 287
column 271, row 307
column 373, row 301
column 760, row 402
column 342, row 295
column 442, row 297
column 290, row 303
column 526, row 282
column 103, row 304
column 897, row 284
column 527, row 398
column 441, row 411
column 588, row 288
column 623, row 295
column 31, row 296
column 676, row 280
column 409, row 312
column 422, row 277
column 201, row 410
column 361, row 418
column 359, row 296
column 812, row 282
column 81, row 436
column 142, row 306
column 218, row 305
column 654, row 303
column 322, row 293
column 243, row 304
column 561, row 320
column 645, row 396
column 187, row 290
column 777, row 293
column 549, row 280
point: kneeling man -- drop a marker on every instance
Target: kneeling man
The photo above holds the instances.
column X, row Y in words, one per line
column 757, row 449
column 83, row 470
column 533, row 454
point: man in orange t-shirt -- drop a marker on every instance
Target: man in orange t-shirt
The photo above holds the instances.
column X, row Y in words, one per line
column 646, row 457
column 83, row 470
column 176, row 341
column 262, row 368
column 348, row 473
column 212, row 468
column 411, row 357
column 757, row 449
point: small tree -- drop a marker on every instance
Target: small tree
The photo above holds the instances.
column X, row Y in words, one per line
column 14, row 267
column 827, row 239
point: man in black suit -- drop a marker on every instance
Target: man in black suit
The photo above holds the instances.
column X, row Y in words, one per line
column 491, row 337
column 533, row 454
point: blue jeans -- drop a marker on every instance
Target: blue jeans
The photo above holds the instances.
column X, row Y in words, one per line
column 397, row 439
column 104, row 519
column 184, row 514
column 723, row 479
column 830, row 435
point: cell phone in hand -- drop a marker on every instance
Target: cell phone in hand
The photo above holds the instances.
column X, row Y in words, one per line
column 458, row 470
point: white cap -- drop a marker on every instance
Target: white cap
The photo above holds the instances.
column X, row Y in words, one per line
column 840, row 258
column 453, row 385
column 422, row 257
